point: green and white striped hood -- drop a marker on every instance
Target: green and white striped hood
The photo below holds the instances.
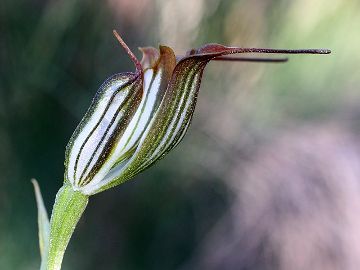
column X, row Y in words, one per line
column 136, row 118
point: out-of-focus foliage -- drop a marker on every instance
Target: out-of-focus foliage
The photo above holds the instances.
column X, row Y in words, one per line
column 264, row 136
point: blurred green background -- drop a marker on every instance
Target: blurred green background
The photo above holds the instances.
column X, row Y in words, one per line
column 55, row 54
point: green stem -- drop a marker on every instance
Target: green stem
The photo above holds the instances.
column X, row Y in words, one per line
column 68, row 208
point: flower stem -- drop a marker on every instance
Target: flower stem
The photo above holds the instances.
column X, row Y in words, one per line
column 68, row 208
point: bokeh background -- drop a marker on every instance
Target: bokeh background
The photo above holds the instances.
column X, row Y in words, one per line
column 268, row 176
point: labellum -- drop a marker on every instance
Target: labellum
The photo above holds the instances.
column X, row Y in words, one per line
column 135, row 119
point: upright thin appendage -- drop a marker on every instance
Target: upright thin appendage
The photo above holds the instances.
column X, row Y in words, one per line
column 128, row 51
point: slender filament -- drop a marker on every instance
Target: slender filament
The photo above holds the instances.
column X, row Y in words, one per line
column 281, row 51
column 128, row 51
column 251, row 59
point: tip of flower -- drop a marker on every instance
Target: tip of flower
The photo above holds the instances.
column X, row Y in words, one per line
column 324, row 51
column 128, row 51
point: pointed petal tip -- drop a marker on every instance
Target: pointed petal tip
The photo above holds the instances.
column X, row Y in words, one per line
column 43, row 220
column 325, row 51
column 35, row 183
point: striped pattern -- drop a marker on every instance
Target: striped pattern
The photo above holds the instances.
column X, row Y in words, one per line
column 136, row 118
column 93, row 141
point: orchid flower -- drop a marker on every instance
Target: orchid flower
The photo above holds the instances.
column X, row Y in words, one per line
column 134, row 120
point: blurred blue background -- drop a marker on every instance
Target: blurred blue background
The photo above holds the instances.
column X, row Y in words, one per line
column 268, row 176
